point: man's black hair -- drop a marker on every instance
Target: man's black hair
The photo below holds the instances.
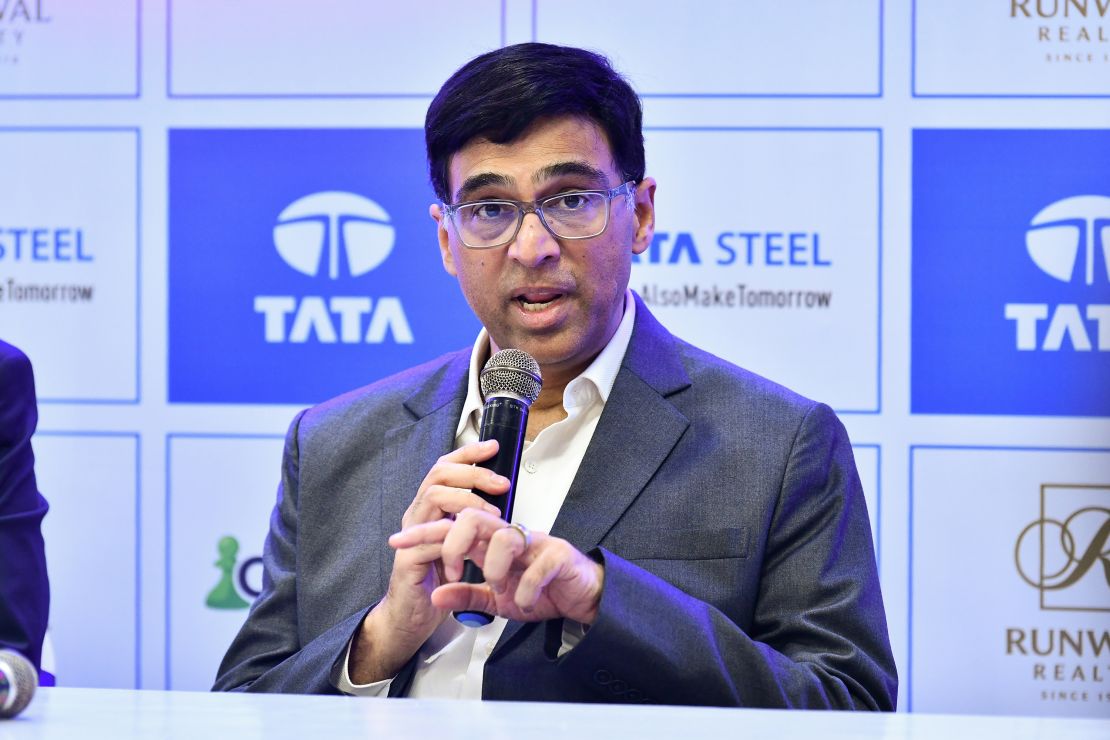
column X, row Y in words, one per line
column 499, row 94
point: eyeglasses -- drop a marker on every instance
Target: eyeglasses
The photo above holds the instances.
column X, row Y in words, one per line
column 575, row 214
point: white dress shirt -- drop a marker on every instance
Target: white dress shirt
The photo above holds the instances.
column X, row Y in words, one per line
column 451, row 662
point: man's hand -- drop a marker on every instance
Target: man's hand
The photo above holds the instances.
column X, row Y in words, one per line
column 396, row 628
column 547, row 579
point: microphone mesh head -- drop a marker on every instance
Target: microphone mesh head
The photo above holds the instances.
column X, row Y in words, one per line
column 18, row 681
column 511, row 372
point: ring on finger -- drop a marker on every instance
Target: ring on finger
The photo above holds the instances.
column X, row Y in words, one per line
column 524, row 532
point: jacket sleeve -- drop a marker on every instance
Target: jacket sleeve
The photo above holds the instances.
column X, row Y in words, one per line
column 267, row 654
column 818, row 636
column 24, row 589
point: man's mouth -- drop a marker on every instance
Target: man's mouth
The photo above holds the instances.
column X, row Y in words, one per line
column 535, row 301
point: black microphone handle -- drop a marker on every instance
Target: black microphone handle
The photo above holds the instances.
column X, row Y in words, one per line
column 505, row 419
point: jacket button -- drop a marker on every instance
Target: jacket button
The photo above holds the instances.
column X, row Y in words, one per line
column 603, row 677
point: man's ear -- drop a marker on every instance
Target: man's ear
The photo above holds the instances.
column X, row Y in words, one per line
column 440, row 218
column 644, row 200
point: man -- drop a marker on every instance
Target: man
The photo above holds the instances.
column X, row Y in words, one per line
column 691, row 533
column 24, row 588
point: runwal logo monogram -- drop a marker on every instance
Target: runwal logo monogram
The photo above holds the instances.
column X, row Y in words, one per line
column 1068, row 228
column 1065, row 554
column 319, row 229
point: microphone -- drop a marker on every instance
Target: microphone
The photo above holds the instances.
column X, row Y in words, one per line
column 18, row 681
column 510, row 382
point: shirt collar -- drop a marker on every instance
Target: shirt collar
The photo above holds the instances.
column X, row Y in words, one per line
column 600, row 375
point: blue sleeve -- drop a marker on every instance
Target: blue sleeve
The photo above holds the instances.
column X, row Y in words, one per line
column 24, row 587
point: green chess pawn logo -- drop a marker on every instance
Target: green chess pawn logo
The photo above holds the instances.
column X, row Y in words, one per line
column 224, row 595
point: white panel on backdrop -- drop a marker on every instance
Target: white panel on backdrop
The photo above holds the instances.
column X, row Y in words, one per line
column 69, row 48
column 766, row 253
column 69, row 259
column 332, row 47
column 867, row 464
column 220, row 495
column 91, row 533
column 1011, row 597
column 1020, row 47
column 723, row 47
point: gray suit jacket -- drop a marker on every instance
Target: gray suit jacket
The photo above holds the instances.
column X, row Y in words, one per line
column 739, row 567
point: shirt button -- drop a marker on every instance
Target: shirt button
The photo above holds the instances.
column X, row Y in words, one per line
column 530, row 466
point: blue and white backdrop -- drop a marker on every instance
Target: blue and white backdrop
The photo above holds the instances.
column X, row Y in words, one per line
column 214, row 214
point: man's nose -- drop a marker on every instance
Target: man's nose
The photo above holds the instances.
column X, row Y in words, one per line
column 534, row 244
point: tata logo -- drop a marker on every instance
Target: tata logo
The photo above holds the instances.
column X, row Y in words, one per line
column 781, row 248
column 1066, row 240
column 312, row 233
column 331, row 234
column 1065, row 553
column 1068, row 228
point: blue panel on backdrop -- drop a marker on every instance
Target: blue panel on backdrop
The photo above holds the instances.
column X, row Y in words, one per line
column 303, row 263
column 1011, row 272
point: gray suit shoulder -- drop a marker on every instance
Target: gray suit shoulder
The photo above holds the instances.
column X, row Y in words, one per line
column 743, row 391
column 381, row 404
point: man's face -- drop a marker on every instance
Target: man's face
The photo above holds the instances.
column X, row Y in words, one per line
column 560, row 300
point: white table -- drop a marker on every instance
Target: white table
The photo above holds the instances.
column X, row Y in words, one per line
column 91, row 714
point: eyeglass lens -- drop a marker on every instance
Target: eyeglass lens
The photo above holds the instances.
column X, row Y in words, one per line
column 574, row 215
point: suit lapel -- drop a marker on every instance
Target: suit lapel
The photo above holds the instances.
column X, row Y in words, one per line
column 636, row 432
column 627, row 448
column 409, row 452
column 412, row 449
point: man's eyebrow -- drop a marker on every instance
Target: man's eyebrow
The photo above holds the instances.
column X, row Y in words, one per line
column 559, row 169
column 570, row 168
column 479, row 181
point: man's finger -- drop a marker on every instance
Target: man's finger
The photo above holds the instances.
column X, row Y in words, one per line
column 423, row 554
column 474, row 452
column 447, row 489
column 536, row 577
column 505, row 546
column 452, row 500
column 464, row 476
column 467, row 538
column 421, row 534
column 465, row 597
column 434, row 500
